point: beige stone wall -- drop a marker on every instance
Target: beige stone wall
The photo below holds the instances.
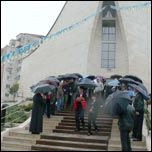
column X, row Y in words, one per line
column 78, row 50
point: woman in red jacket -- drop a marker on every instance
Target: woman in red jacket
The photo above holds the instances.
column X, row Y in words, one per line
column 79, row 107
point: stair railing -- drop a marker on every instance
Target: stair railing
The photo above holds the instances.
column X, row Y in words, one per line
column 11, row 114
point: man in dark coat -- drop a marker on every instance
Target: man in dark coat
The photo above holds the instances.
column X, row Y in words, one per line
column 36, row 124
column 125, row 123
column 139, row 116
column 92, row 115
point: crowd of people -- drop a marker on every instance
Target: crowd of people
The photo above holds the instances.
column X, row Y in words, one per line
column 69, row 95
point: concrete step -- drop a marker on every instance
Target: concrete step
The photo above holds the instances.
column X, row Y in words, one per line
column 20, row 139
column 75, row 137
column 86, row 123
column 82, row 132
column 73, row 114
column 13, row 149
column 23, row 133
column 59, row 148
column 73, row 127
column 86, row 118
column 113, row 147
column 73, row 144
column 45, row 127
column 15, row 145
column 98, row 122
column 134, row 143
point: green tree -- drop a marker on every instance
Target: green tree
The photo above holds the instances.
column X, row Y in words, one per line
column 13, row 90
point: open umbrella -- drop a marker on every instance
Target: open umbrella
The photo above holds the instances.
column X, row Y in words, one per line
column 142, row 86
column 87, row 83
column 47, row 82
column 91, row 77
column 43, row 88
column 143, row 92
column 117, row 76
column 116, row 103
column 127, row 80
column 53, row 79
column 113, row 83
column 79, row 75
column 68, row 76
column 133, row 77
column 107, row 81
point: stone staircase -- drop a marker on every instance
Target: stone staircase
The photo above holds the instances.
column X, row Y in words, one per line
column 59, row 135
column 64, row 138
column 115, row 143
column 20, row 139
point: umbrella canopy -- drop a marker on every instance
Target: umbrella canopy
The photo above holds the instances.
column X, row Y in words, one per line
column 113, row 83
column 135, row 78
column 91, row 77
column 116, row 103
column 108, row 80
column 47, row 82
column 87, row 83
column 79, row 75
column 43, row 88
column 60, row 77
column 130, row 92
column 32, row 86
column 143, row 92
column 116, row 76
column 67, row 76
column 127, row 80
column 53, row 79
column 142, row 86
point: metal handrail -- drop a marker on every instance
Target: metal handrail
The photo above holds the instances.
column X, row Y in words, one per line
column 10, row 114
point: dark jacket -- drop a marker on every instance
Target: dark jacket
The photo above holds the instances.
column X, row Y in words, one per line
column 36, row 124
column 126, row 120
column 139, row 103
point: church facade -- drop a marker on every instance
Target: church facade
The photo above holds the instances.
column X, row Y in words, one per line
column 114, row 41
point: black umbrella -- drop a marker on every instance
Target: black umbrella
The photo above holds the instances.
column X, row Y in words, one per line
column 60, row 77
column 33, row 86
column 127, row 80
column 116, row 103
column 53, row 79
column 43, row 88
column 87, row 83
column 116, row 76
column 143, row 92
column 91, row 77
column 79, row 75
column 142, row 86
column 68, row 76
column 47, row 82
column 133, row 77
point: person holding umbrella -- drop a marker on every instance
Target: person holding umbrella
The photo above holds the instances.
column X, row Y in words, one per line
column 118, row 103
column 139, row 110
column 138, row 104
column 36, row 124
column 92, row 115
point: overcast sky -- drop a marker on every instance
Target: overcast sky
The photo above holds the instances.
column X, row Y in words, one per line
column 35, row 17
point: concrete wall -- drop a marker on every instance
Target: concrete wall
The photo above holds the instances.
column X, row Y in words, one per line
column 78, row 50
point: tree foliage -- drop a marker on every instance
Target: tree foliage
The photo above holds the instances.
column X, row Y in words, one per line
column 13, row 90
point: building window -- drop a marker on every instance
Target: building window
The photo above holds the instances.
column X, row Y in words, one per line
column 6, row 94
column 108, row 36
column 18, row 77
column 7, row 86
